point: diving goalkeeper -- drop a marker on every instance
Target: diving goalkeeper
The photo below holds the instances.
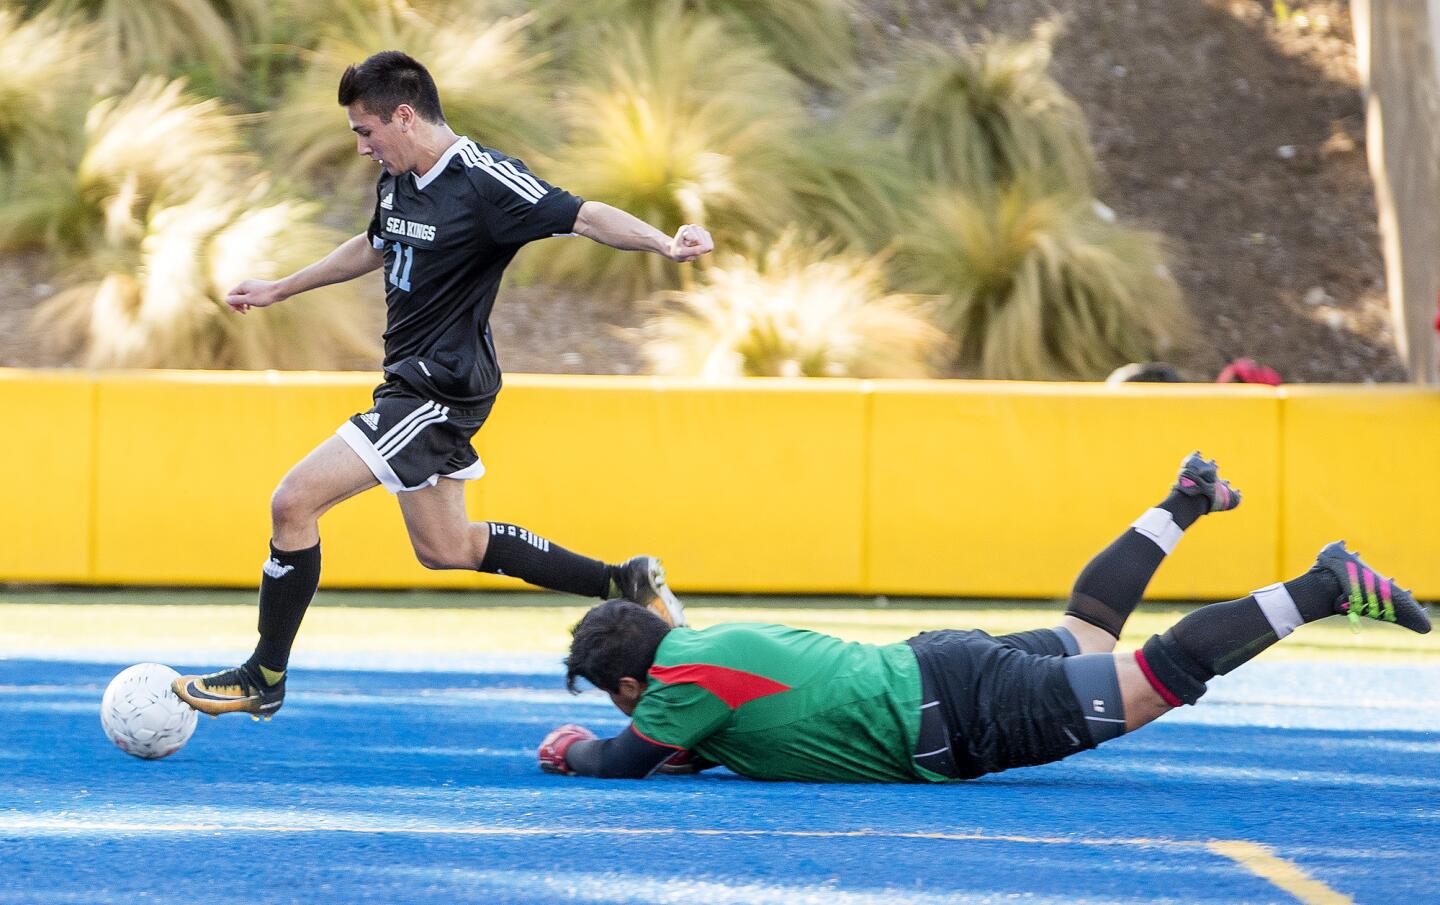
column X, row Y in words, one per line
column 772, row 702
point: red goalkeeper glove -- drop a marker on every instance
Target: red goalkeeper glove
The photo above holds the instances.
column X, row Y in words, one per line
column 553, row 748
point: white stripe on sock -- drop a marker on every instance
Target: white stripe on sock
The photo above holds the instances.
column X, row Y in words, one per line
column 1160, row 527
column 1279, row 609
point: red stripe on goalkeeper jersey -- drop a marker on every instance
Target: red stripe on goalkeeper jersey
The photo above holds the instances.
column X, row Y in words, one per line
column 653, row 741
column 733, row 686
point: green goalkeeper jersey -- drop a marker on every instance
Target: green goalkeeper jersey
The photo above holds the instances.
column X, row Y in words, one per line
column 774, row 702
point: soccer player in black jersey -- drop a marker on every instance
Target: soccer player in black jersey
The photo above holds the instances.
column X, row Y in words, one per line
column 449, row 216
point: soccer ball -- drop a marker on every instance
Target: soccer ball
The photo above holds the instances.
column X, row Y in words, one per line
column 141, row 714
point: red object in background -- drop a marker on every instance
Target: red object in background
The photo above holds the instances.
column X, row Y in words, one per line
column 1437, row 314
column 1246, row 370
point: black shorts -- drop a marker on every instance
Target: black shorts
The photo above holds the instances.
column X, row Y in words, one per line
column 995, row 706
column 410, row 442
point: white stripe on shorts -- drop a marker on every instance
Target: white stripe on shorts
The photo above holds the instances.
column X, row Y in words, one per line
column 471, row 472
column 400, row 425
column 356, row 440
column 389, row 450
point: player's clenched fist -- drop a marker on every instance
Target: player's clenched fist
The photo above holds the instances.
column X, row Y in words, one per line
column 690, row 242
column 553, row 748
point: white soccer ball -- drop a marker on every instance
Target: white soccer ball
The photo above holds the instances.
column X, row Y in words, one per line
column 142, row 715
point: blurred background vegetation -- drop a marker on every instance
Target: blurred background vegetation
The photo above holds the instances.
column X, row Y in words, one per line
column 936, row 216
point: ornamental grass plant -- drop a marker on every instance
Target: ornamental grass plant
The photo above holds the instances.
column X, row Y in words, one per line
column 796, row 309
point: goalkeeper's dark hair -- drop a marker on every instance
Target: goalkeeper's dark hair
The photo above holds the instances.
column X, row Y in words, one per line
column 615, row 639
column 388, row 79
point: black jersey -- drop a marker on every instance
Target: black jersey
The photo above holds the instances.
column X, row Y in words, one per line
column 447, row 236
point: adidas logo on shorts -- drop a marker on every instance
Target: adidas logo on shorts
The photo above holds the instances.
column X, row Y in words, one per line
column 372, row 420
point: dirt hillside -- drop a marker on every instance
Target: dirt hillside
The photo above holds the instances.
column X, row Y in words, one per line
column 1240, row 136
column 1235, row 132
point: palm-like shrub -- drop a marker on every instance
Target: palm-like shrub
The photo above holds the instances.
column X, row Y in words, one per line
column 159, row 214
column 139, row 37
column 42, row 80
column 847, row 187
column 167, row 310
column 801, row 310
column 812, row 38
column 980, row 115
column 154, row 144
column 680, row 122
column 490, row 77
column 1039, row 286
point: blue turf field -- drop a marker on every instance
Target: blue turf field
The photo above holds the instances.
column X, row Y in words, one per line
column 421, row 787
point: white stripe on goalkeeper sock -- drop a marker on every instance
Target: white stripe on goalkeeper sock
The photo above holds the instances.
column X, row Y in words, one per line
column 1279, row 609
column 1160, row 527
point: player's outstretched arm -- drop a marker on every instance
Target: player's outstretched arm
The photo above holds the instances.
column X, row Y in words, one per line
column 352, row 258
column 616, row 228
column 572, row 750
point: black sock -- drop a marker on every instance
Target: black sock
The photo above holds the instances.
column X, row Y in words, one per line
column 1185, row 509
column 522, row 554
column 1215, row 639
column 286, row 590
column 1112, row 584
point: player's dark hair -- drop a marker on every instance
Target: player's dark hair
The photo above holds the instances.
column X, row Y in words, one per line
column 388, row 79
column 615, row 639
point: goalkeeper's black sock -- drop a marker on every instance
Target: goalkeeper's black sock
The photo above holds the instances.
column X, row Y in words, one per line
column 1215, row 639
column 286, row 590
column 1112, row 584
column 522, row 554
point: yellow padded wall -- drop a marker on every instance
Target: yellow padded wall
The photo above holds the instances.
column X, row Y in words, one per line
column 1007, row 489
column 1361, row 465
column 752, row 486
column 893, row 487
column 187, row 466
column 49, row 421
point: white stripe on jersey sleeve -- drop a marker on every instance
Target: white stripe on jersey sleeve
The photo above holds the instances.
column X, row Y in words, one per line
column 473, row 158
column 478, row 160
column 519, row 174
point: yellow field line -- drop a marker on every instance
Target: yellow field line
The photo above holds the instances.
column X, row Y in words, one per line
column 1263, row 863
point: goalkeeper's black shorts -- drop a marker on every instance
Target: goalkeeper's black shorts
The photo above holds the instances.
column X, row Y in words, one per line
column 995, row 706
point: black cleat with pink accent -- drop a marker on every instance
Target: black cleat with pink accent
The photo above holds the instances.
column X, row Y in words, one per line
column 1200, row 477
column 1365, row 592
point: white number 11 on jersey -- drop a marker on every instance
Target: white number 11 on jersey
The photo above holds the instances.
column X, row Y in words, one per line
column 400, row 270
